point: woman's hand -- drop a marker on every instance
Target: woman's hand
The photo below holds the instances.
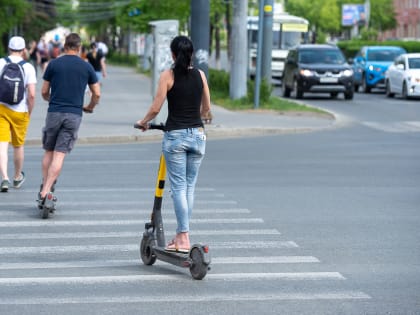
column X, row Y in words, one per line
column 140, row 124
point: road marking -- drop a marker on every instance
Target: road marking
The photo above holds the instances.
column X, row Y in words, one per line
column 72, row 212
column 122, row 222
column 136, row 262
column 60, row 249
column 265, row 260
column 341, row 295
column 117, row 189
column 127, row 234
column 89, row 280
column 394, row 127
column 120, row 203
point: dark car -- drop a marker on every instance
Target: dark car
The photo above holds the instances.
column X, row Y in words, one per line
column 317, row 69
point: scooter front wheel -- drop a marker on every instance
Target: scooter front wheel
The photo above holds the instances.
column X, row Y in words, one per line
column 146, row 251
column 200, row 265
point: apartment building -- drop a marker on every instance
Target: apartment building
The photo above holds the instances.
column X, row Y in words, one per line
column 408, row 21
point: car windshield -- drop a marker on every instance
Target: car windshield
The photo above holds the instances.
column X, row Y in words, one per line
column 325, row 56
column 414, row 63
column 383, row 55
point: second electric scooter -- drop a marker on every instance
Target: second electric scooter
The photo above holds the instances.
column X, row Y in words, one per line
column 153, row 243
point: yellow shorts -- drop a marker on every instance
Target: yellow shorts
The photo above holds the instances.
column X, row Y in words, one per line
column 13, row 126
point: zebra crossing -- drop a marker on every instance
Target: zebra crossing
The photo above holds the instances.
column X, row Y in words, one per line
column 394, row 126
column 91, row 247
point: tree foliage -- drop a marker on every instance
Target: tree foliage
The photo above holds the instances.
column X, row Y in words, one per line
column 326, row 14
column 12, row 13
column 152, row 11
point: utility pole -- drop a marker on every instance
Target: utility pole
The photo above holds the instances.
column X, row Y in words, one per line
column 267, row 40
column 200, row 33
column 238, row 74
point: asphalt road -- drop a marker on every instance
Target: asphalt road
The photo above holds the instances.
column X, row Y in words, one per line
column 311, row 223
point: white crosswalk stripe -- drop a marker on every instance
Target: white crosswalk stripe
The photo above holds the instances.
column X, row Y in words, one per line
column 394, row 127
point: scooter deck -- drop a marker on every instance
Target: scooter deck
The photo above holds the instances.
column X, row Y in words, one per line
column 175, row 258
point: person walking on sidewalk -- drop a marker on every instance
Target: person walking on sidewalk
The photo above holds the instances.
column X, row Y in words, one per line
column 97, row 59
column 14, row 119
column 184, row 141
column 65, row 80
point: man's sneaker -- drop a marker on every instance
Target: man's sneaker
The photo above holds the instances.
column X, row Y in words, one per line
column 4, row 185
column 18, row 182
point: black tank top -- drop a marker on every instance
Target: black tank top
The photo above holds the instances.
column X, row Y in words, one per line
column 184, row 102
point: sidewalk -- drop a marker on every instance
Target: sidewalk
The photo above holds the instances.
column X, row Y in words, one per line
column 126, row 96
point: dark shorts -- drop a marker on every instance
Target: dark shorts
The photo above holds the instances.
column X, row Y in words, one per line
column 60, row 131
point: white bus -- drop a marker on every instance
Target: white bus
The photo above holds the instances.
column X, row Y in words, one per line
column 288, row 32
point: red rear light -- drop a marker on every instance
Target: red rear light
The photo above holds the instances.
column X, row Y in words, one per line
column 206, row 249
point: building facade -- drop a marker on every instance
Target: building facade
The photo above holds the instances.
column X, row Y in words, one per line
column 408, row 21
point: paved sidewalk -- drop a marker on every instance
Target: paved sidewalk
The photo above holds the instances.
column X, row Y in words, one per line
column 126, row 96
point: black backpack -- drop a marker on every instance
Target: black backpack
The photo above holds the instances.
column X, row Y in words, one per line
column 12, row 84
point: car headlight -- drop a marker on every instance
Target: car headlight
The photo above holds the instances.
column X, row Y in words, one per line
column 414, row 79
column 348, row 73
column 306, row 73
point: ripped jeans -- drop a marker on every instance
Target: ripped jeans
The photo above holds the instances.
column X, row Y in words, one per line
column 183, row 150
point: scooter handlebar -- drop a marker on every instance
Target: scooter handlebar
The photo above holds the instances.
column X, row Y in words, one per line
column 160, row 126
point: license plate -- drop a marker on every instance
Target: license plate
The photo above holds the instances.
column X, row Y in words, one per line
column 328, row 80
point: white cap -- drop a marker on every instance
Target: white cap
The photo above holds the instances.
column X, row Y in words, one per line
column 17, row 43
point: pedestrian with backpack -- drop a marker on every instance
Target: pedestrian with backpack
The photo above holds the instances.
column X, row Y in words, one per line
column 17, row 100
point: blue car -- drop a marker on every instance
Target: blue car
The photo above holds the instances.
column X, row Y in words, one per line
column 370, row 65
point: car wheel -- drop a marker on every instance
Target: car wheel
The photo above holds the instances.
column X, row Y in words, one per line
column 297, row 89
column 365, row 87
column 388, row 89
column 405, row 91
column 356, row 87
column 348, row 95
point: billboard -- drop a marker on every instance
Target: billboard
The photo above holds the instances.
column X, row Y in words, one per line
column 353, row 14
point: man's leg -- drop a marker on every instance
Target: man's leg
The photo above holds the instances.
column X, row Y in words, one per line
column 3, row 160
column 18, row 158
column 52, row 164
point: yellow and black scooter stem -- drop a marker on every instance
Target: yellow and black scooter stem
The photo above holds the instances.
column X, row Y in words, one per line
column 156, row 218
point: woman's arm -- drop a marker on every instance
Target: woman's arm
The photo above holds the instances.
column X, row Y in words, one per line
column 164, row 84
column 205, row 99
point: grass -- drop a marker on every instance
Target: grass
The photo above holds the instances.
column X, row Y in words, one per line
column 273, row 103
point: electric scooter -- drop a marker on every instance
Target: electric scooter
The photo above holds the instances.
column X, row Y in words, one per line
column 47, row 205
column 153, row 243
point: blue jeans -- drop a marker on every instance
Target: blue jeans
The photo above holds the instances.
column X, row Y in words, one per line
column 183, row 150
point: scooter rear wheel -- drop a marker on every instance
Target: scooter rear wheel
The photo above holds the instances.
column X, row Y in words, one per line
column 198, row 268
column 146, row 251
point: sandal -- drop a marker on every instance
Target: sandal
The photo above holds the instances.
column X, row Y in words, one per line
column 172, row 247
column 171, row 242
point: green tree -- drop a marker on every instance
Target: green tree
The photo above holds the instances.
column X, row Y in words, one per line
column 382, row 15
column 325, row 15
column 12, row 13
column 152, row 11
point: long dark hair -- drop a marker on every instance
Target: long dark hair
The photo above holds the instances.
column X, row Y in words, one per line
column 182, row 48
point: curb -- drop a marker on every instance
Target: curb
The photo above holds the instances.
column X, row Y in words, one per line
column 212, row 133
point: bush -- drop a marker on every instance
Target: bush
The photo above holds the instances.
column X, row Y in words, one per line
column 351, row 47
column 219, row 82
column 123, row 59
